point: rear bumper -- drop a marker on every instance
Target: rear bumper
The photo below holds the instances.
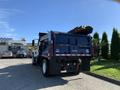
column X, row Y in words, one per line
column 70, row 57
column 77, row 55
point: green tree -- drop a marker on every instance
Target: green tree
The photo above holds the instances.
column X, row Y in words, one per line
column 96, row 36
column 119, row 44
column 115, row 45
column 104, row 46
column 96, row 47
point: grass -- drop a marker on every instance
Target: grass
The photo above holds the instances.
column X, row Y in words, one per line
column 106, row 68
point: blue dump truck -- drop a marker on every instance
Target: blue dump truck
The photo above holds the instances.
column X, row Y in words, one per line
column 70, row 52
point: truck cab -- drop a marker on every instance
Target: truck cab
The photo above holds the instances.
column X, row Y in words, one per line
column 69, row 52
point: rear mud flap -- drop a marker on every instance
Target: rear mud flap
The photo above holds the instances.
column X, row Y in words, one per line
column 85, row 65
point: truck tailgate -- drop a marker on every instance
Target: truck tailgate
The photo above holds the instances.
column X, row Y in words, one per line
column 72, row 45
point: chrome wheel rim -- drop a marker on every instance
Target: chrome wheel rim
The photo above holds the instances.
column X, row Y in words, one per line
column 44, row 67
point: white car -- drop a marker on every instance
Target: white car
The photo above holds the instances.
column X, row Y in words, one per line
column 7, row 54
column 21, row 53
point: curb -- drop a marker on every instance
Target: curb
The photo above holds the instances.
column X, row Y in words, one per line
column 103, row 78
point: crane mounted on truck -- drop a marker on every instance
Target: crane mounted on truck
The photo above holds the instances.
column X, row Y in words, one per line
column 58, row 51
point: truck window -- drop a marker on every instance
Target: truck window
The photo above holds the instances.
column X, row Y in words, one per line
column 44, row 45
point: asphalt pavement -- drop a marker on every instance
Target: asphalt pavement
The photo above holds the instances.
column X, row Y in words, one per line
column 19, row 74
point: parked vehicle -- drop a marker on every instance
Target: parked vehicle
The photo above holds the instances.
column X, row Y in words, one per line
column 4, row 50
column 12, row 48
column 59, row 51
column 7, row 54
column 21, row 53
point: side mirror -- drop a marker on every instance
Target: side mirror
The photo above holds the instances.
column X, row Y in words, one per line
column 33, row 42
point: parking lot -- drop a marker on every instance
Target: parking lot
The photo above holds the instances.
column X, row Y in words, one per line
column 19, row 74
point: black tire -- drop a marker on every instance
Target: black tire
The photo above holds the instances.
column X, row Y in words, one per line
column 45, row 68
column 77, row 69
column 34, row 63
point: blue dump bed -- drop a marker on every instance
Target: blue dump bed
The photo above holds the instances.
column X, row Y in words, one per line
column 72, row 44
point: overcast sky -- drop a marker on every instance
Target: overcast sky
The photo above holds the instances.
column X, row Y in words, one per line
column 25, row 18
